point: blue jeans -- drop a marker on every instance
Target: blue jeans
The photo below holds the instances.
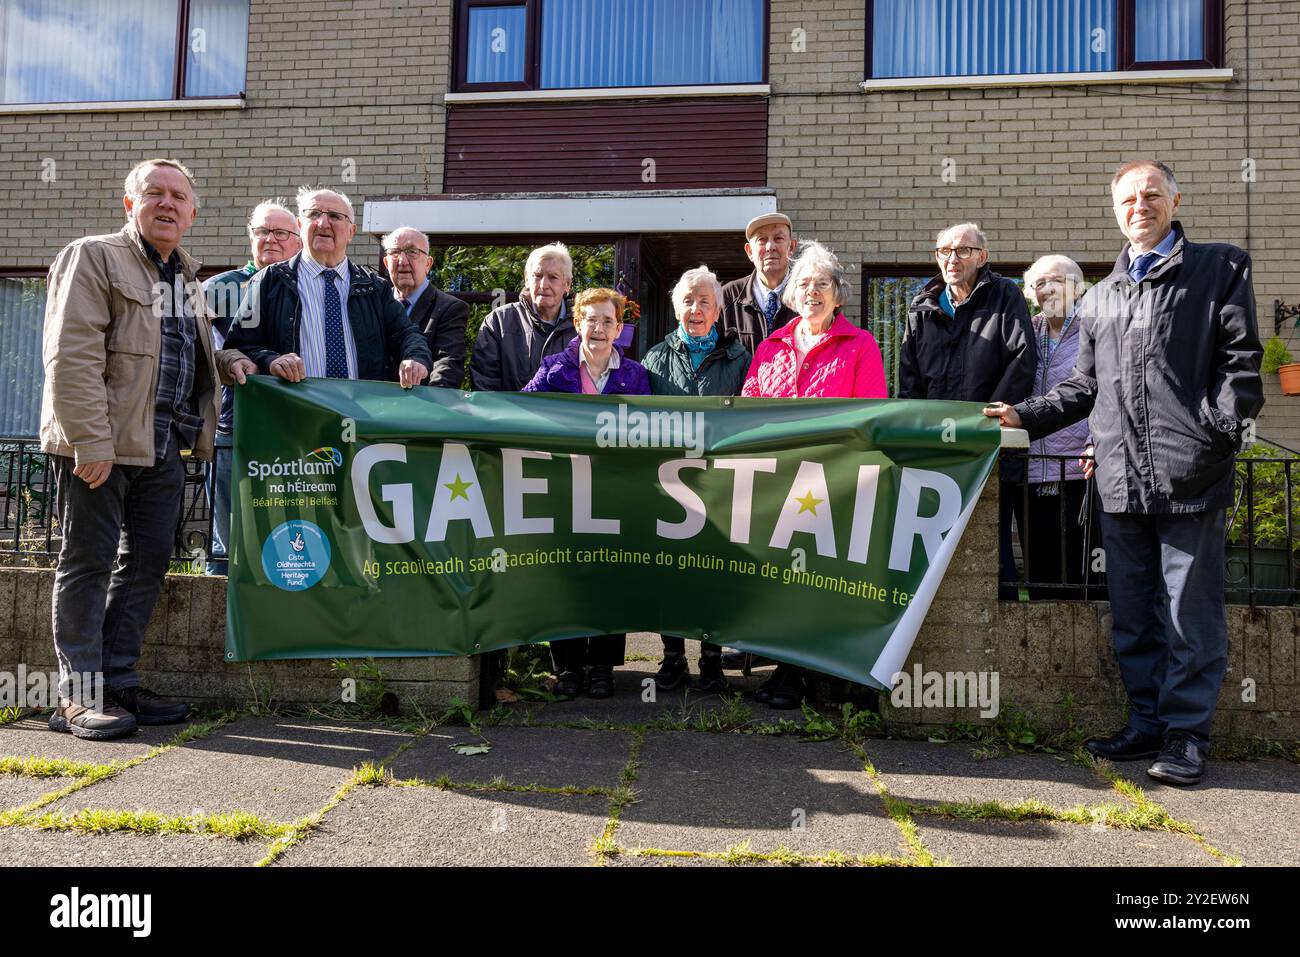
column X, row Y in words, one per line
column 219, row 497
column 1170, row 628
column 118, row 540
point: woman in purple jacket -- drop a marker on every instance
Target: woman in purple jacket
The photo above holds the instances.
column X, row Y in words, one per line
column 1057, row 488
column 591, row 365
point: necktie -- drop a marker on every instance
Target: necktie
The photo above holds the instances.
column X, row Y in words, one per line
column 406, row 304
column 336, row 349
column 769, row 311
column 1139, row 267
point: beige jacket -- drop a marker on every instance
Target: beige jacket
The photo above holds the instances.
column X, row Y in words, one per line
column 101, row 353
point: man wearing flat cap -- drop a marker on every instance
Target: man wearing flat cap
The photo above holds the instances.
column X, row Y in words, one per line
column 752, row 307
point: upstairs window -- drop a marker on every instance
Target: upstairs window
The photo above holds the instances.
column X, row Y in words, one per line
column 937, row 38
column 74, row 51
column 584, row 44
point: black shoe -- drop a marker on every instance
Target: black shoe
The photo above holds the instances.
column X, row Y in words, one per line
column 790, row 692
column 1181, row 760
column 1127, row 744
column 83, row 722
column 569, row 684
column 672, row 671
column 149, row 708
column 711, row 680
column 601, row 682
column 764, row 693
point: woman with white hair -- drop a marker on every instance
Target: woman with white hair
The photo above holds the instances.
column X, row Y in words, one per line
column 697, row 359
column 1052, row 509
column 821, row 354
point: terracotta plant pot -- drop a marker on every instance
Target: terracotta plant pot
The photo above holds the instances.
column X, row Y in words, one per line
column 1290, row 376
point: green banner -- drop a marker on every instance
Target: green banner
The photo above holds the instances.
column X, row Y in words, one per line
column 372, row 521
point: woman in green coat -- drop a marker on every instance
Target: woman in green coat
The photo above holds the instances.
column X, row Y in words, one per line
column 697, row 359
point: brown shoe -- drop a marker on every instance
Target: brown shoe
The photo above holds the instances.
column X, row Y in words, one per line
column 83, row 722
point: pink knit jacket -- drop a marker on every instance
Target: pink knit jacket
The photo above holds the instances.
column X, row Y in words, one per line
column 846, row 364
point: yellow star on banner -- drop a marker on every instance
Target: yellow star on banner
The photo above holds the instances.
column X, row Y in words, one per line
column 458, row 488
column 808, row 503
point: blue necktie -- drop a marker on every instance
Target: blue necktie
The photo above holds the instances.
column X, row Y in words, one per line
column 1139, row 267
column 769, row 311
column 336, row 347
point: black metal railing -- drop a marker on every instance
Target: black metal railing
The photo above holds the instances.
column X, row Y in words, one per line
column 29, row 526
column 1051, row 544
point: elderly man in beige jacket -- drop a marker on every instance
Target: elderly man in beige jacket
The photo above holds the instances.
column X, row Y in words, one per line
column 130, row 381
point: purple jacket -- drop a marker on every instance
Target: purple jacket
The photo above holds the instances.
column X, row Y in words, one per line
column 560, row 373
column 1072, row 439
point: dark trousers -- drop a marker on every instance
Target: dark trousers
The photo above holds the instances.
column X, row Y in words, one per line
column 219, row 499
column 1165, row 574
column 572, row 654
column 1043, row 523
column 117, row 542
column 677, row 646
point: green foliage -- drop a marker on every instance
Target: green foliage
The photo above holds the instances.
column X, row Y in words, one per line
column 1268, row 507
column 8, row 715
column 373, row 699
column 1276, row 354
column 500, row 270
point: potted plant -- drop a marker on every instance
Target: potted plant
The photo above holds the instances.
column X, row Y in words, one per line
column 1279, row 361
column 1274, row 549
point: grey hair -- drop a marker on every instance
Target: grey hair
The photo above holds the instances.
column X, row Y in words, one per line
column 549, row 251
column 964, row 227
column 268, row 206
column 817, row 258
column 1068, row 266
column 1156, row 165
column 307, row 193
column 693, row 279
column 390, row 244
column 133, row 185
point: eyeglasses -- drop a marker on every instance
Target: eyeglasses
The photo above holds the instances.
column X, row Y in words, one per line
column 595, row 322
column 961, row 252
column 261, row 232
column 1046, row 281
column 820, row 285
column 410, row 252
column 331, row 215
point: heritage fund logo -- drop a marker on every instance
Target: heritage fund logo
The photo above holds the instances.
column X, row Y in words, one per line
column 635, row 429
column 77, row 910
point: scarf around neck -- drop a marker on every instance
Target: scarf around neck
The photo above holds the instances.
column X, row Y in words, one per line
column 698, row 347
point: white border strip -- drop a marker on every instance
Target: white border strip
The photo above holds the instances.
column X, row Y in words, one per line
column 608, row 93
column 1044, row 79
column 119, row 106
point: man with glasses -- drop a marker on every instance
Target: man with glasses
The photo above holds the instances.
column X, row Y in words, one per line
column 439, row 317
column 968, row 335
column 273, row 235
column 317, row 314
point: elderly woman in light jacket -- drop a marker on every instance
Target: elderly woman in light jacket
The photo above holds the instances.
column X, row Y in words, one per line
column 1057, row 484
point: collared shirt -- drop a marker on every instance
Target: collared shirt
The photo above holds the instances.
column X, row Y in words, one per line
column 311, row 340
column 175, row 411
column 761, row 290
column 414, row 297
column 613, row 364
column 1162, row 251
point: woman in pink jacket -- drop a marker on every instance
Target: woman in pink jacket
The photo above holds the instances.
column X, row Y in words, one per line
column 819, row 353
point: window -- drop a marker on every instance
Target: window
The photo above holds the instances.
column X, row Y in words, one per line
column 22, row 374
column 73, row 51
column 937, row 38
column 578, row 44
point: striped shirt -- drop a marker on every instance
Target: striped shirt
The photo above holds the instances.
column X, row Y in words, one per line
column 311, row 336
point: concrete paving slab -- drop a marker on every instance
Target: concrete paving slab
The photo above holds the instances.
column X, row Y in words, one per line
column 19, row 789
column 1244, row 808
column 278, row 769
column 32, row 737
column 424, row 826
column 924, row 773
column 551, row 757
column 28, row 847
column 705, row 792
column 1050, row 844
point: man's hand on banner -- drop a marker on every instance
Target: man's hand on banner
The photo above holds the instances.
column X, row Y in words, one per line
column 289, row 367
column 411, row 373
column 241, row 369
column 1009, row 416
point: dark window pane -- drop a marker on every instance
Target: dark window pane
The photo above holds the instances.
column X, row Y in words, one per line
column 885, row 316
column 65, row 51
column 498, row 39
column 218, row 48
column 22, row 312
column 613, row 43
column 992, row 37
column 1169, row 30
